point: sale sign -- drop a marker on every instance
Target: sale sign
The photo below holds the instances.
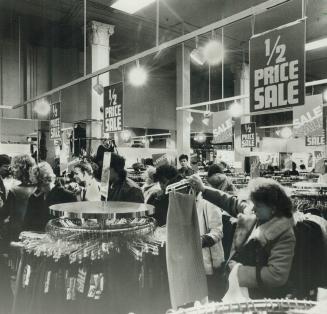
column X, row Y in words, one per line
column 277, row 68
column 222, row 128
column 55, row 121
column 113, row 108
column 248, row 135
column 315, row 140
column 308, row 119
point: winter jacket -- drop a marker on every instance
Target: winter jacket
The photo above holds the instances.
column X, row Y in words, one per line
column 210, row 224
column 276, row 237
column 125, row 191
column 38, row 212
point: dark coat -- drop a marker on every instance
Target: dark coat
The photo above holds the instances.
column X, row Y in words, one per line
column 186, row 172
column 276, row 238
column 125, row 191
column 38, row 212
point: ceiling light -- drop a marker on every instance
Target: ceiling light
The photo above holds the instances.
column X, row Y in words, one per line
column 206, row 121
column 200, row 138
column 42, row 107
column 189, row 119
column 143, row 140
column 98, row 87
column 286, row 132
column 151, row 139
column 131, row 6
column 316, row 44
column 213, row 52
column 126, row 135
column 236, row 110
column 137, row 75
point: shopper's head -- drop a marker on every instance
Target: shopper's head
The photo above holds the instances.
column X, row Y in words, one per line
column 43, row 176
column 117, row 168
column 269, row 199
column 216, row 176
column 183, row 160
column 293, row 166
column 150, row 175
column 165, row 174
column 83, row 172
column 4, row 165
column 21, row 166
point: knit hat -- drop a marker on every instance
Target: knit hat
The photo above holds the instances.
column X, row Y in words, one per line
column 4, row 160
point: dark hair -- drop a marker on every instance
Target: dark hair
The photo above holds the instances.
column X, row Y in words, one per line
column 213, row 169
column 183, row 156
column 165, row 172
column 148, row 162
column 118, row 164
column 271, row 193
column 223, row 164
column 85, row 167
column 4, row 160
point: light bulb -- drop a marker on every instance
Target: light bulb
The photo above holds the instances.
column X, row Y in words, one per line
column 42, row 107
column 137, row 76
column 205, row 121
column 286, row 132
column 126, row 135
column 213, row 52
column 189, row 119
column 200, row 138
column 236, row 110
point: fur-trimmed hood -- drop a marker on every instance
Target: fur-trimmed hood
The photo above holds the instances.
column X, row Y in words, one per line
column 266, row 232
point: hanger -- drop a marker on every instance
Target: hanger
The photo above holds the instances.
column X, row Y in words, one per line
column 177, row 186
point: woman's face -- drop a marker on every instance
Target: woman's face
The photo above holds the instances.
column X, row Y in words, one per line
column 45, row 187
column 263, row 212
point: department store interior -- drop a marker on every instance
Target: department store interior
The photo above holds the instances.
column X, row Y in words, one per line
column 149, row 165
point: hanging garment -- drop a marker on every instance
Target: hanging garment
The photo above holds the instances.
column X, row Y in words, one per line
column 235, row 293
column 186, row 274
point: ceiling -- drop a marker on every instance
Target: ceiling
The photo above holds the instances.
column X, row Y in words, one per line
column 60, row 23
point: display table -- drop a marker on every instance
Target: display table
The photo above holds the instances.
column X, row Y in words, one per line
column 103, row 265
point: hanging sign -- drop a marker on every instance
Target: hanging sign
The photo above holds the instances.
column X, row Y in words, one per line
column 104, row 186
column 248, row 135
column 222, row 128
column 308, row 119
column 113, row 108
column 55, row 121
column 315, row 140
column 277, row 68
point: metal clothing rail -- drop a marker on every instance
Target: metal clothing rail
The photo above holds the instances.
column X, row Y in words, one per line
column 258, row 9
column 279, row 305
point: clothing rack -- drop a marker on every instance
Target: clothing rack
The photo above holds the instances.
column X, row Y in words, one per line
column 268, row 305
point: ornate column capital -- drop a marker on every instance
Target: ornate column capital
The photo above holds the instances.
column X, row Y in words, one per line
column 99, row 33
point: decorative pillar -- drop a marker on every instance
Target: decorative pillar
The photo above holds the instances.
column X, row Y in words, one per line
column 183, row 98
column 99, row 57
column 241, row 87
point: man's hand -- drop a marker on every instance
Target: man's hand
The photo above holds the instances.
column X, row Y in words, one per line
column 196, row 183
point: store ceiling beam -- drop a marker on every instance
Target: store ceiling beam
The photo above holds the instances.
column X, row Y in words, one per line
column 206, row 29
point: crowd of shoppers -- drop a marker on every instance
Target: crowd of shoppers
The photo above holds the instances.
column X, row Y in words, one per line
column 255, row 236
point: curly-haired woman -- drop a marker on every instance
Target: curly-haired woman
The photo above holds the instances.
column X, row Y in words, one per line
column 264, row 241
column 19, row 194
column 47, row 193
